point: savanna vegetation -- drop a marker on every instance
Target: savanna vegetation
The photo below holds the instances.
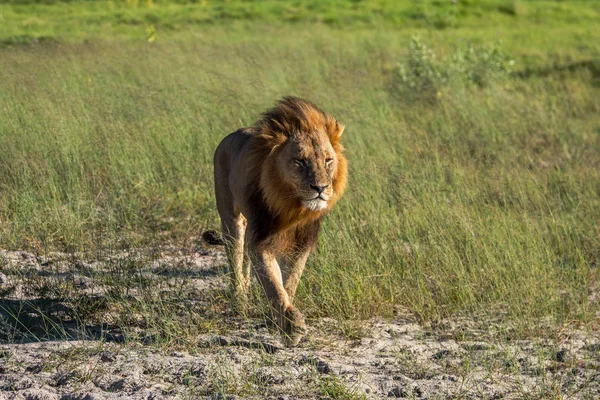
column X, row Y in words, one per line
column 472, row 131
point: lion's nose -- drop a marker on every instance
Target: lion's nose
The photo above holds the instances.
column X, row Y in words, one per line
column 319, row 189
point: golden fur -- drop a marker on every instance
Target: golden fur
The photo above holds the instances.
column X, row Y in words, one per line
column 279, row 124
column 274, row 182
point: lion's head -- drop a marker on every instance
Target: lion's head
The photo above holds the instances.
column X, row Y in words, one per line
column 304, row 171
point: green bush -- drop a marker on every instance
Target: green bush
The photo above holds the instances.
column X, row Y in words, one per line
column 424, row 76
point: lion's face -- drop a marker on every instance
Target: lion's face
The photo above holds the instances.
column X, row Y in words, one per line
column 308, row 164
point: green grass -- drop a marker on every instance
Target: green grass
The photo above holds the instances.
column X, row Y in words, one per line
column 481, row 199
column 124, row 18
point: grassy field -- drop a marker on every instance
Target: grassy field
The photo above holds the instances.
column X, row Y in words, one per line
column 472, row 130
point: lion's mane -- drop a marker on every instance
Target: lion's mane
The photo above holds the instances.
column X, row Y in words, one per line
column 292, row 116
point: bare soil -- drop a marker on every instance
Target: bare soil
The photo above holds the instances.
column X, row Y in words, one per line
column 399, row 358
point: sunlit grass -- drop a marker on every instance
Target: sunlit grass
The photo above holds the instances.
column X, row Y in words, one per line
column 486, row 200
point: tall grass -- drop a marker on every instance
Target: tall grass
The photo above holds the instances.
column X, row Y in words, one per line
column 486, row 200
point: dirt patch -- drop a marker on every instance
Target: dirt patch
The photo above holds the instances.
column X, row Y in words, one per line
column 395, row 359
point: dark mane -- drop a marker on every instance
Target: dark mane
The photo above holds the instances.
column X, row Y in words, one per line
column 270, row 196
column 292, row 115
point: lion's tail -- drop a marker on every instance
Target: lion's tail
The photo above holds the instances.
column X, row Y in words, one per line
column 213, row 237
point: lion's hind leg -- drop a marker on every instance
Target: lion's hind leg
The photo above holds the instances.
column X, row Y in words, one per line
column 234, row 230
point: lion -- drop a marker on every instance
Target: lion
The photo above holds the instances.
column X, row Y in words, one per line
column 274, row 183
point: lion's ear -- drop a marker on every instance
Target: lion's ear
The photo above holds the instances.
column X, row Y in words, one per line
column 335, row 131
column 272, row 131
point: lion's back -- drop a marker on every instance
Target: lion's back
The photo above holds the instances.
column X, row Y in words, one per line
column 231, row 147
column 229, row 171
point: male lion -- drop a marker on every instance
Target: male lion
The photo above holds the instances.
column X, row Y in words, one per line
column 274, row 182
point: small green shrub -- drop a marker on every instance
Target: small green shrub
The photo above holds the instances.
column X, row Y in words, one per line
column 481, row 66
column 424, row 76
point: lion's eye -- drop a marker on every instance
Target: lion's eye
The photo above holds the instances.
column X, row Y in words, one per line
column 328, row 161
column 300, row 161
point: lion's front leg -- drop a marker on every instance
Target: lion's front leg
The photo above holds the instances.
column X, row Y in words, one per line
column 292, row 267
column 289, row 320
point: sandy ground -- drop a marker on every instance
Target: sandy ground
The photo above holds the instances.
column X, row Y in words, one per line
column 390, row 359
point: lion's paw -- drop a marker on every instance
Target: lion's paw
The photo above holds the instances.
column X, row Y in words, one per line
column 293, row 326
column 240, row 301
